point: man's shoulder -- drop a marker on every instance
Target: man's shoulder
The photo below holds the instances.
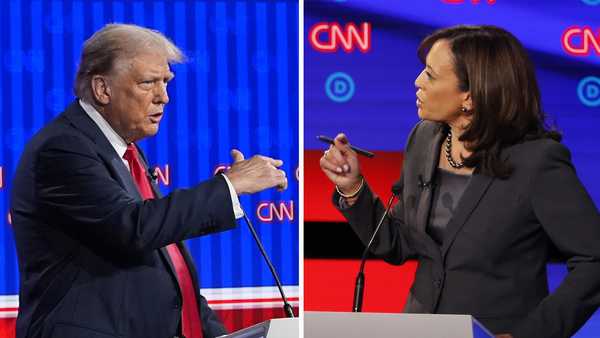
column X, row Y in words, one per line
column 58, row 133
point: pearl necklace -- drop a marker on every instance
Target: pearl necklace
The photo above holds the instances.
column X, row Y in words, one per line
column 448, row 149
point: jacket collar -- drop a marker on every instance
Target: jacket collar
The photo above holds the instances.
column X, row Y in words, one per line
column 82, row 122
column 474, row 192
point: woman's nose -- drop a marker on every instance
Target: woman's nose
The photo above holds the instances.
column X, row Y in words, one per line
column 418, row 81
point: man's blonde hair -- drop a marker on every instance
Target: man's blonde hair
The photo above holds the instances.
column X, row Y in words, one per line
column 114, row 44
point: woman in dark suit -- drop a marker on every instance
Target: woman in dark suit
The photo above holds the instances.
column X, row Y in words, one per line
column 487, row 192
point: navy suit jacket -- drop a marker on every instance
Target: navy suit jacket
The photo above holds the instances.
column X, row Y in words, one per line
column 492, row 263
column 91, row 253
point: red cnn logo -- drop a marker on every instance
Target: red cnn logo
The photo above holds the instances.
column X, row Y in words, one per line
column 329, row 37
column 586, row 37
column 163, row 176
column 475, row 2
column 268, row 211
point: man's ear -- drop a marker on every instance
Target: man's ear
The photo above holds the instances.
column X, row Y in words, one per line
column 101, row 89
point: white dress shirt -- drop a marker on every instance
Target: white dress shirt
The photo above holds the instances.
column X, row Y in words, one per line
column 121, row 147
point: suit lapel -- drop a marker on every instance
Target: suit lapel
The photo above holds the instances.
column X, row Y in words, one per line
column 430, row 161
column 191, row 267
column 163, row 251
column 474, row 191
column 79, row 118
column 124, row 175
column 165, row 256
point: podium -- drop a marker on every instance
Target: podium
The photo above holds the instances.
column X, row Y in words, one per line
column 272, row 328
column 397, row 325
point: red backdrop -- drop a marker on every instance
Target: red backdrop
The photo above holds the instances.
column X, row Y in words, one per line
column 329, row 283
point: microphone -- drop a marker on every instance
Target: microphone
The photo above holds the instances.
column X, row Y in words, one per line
column 287, row 308
column 151, row 175
column 359, row 286
column 397, row 188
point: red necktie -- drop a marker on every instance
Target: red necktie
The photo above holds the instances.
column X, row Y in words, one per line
column 190, row 316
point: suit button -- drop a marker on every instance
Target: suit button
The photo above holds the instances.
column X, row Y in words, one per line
column 176, row 304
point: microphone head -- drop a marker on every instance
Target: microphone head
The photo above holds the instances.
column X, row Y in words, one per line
column 397, row 188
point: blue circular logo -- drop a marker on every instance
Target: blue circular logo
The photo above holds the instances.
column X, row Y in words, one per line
column 588, row 91
column 339, row 87
column 591, row 2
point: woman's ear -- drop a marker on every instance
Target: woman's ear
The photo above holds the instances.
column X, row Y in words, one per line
column 467, row 103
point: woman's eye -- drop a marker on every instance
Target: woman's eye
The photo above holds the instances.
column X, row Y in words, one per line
column 429, row 75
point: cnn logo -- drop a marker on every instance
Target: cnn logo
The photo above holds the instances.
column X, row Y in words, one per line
column 271, row 211
column 162, row 175
column 330, row 37
column 580, row 41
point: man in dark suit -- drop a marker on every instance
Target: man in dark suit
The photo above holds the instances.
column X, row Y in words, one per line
column 100, row 252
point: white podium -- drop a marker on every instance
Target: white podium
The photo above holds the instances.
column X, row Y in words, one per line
column 273, row 328
column 384, row 325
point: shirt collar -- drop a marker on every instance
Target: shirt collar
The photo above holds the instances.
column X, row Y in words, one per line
column 115, row 140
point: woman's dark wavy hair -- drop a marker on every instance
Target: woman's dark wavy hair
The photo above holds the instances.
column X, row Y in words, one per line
column 493, row 65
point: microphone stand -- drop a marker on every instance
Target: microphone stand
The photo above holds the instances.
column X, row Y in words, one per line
column 359, row 286
column 287, row 308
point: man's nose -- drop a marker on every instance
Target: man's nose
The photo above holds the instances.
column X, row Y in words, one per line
column 161, row 95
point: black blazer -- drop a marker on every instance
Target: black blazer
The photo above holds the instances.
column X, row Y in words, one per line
column 91, row 253
column 492, row 263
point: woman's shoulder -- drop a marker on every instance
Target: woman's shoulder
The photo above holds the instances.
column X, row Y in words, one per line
column 540, row 146
column 423, row 131
column 428, row 127
column 539, row 152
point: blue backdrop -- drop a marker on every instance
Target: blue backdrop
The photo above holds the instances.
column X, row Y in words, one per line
column 239, row 89
column 371, row 95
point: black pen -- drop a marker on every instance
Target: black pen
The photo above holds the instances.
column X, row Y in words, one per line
column 329, row 140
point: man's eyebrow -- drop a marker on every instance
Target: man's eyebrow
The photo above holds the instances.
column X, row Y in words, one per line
column 157, row 76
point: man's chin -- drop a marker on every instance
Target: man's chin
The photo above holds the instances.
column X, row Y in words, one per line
column 152, row 130
column 148, row 131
